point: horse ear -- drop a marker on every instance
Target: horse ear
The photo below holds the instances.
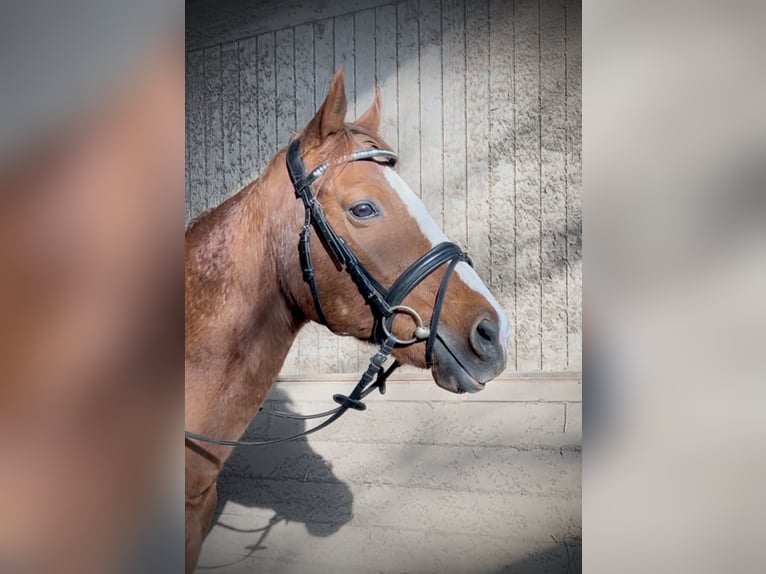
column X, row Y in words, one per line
column 332, row 113
column 371, row 118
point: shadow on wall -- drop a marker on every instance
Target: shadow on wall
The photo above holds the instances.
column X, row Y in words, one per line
column 289, row 479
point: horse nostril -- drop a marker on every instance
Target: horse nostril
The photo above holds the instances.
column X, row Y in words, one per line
column 486, row 331
column 484, row 338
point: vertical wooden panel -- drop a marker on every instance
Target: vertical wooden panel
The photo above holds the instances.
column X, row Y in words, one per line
column 285, row 113
column 196, row 127
column 385, row 71
column 285, row 104
column 326, row 346
column 408, row 85
column 231, row 118
column 364, row 72
column 344, row 56
column 324, row 59
column 375, row 42
column 502, row 137
column 528, row 196
column 267, row 96
column 304, row 75
column 553, row 204
column 188, row 95
column 312, row 64
column 574, row 180
column 477, row 132
column 454, row 126
column 351, row 352
column 248, row 106
column 314, row 349
column 213, row 127
column 349, row 42
column 304, row 351
column 431, row 141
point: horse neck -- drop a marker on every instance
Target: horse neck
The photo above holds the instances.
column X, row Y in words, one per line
column 245, row 342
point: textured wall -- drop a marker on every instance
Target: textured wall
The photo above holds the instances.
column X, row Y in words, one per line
column 424, row 481
column 482, row 100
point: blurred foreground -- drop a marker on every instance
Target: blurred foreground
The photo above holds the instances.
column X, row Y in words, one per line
column 91, row 295
column 675, row 243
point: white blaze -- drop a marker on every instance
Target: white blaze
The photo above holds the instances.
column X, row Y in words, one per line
column 435, row 235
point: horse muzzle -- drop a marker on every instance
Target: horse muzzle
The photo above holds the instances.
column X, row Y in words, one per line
column 466, row 365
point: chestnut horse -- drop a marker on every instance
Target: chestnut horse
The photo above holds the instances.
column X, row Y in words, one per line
column 246, row 298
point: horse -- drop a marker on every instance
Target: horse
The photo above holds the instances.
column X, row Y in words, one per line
column 249, row 291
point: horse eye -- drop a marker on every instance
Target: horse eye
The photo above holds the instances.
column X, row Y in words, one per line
column 363, row 210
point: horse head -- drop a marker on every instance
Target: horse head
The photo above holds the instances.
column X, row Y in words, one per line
column 387, row 227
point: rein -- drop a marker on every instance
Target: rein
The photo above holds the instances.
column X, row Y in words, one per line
column 384, row 303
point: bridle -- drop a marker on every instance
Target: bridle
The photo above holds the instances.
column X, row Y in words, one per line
column 384, row 303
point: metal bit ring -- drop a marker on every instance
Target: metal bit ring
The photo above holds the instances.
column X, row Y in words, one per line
column 421, row 331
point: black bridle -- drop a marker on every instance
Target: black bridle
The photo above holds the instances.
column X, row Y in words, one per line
column 384, row 303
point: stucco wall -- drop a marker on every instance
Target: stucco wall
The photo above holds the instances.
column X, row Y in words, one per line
column 422, row 482
column 481, row 99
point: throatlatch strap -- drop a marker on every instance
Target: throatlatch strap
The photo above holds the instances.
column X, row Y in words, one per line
column 307, row 267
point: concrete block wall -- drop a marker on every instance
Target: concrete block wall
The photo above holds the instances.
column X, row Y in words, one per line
column 423, row 481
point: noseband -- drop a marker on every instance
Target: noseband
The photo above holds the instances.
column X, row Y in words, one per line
column 385, row 303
